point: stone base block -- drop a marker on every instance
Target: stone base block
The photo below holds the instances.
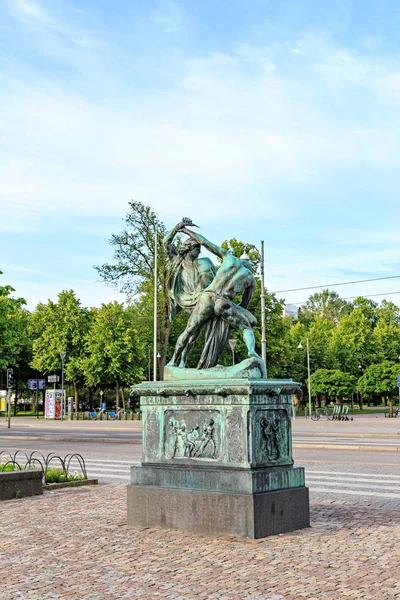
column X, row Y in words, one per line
column 19, row 484
column 219, row 514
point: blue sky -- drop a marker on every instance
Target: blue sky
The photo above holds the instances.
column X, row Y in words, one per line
column 270, row 119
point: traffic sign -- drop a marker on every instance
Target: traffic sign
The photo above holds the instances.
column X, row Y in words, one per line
column 398, row 381
column 36, row 384
column 53, row 378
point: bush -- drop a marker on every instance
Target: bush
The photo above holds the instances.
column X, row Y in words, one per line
column 58, row 476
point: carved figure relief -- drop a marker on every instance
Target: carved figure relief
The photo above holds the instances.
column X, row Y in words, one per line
column 198, row 441
column 272, row 439
column 270, row 432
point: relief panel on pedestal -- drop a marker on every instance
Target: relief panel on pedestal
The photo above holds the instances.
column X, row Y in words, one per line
column 271, row 428
column 192, row 434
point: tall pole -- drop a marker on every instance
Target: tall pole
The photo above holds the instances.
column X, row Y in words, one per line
column 309, row 377
column 62, row 356
column 9, row 408
column 155, row 310
column 263, row 338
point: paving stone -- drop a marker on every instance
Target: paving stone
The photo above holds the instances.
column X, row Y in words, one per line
column 75, row 545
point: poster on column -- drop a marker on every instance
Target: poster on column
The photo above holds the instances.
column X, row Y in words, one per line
column 53, row 404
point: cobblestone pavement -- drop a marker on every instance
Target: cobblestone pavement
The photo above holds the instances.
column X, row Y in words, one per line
column 74, row 545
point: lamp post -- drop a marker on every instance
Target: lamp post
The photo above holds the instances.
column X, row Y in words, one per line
column 155, row 309
column 309, row 374
column 263, row 335
column 398, row 383
column 62, row 356
column 232, row 343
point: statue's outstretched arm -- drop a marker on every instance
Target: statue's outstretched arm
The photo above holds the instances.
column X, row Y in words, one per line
column 221, row 252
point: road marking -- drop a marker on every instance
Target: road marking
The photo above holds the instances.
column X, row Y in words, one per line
column 358, row 485
column 352, row 474
column 357, row 479
column 354, row 493
column 337, row 441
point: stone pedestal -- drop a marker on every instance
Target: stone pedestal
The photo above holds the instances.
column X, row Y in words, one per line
column 217, row 459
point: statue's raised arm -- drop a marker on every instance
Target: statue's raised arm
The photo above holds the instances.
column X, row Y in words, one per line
column 171, row 249
column 200, row 239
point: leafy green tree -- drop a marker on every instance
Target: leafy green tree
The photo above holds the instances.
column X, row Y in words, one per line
column 320, row 335
column 132, row 271
column 368, row 308
column 114, row 347
column 15, row 343
column 326, row 305
column 332, row 383
column 353, row 343
column 380, row 379
column 387, row 332
column 61, row 327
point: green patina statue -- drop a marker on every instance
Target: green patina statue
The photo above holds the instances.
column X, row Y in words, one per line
column 208, row 295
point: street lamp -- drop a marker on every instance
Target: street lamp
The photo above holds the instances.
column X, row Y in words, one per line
column 263, row 337
column 62, row 356
column 232, row 344
column 309, row 375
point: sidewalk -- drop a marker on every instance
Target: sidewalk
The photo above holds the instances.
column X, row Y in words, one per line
column 75, row 545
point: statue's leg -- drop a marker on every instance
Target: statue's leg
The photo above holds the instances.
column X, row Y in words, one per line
column 203, row 311
column 237, row 319
column 186, row 351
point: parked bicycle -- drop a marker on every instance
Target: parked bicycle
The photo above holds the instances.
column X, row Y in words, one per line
column 317, row 415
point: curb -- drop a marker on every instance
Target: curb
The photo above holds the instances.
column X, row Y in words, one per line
column 343, row 447
column 29, row 438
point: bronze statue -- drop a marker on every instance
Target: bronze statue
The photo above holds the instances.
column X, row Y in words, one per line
column 213, row 307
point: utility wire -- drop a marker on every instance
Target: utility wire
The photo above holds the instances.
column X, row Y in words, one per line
column 354, row 297
column 315, row 287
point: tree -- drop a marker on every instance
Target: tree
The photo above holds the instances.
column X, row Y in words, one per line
column 332, row 383
column 56, row 327
column 15, row 344
column 353, row 343
column 115, row 350
column 380, row 379
column 326, row 305
column 132, row 271
column 387, row 331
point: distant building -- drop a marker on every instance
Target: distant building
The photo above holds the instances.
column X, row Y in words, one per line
column 291, row 310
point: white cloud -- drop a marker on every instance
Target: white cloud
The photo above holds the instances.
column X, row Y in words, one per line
column 28, row 8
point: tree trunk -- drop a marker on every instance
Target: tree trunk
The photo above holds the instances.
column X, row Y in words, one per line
column 90, row 399
column 76, row 400
column 123, row 398
column 117, row 396
column 391, row 406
